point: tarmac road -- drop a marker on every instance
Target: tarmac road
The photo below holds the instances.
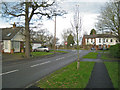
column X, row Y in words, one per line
column 21, row 75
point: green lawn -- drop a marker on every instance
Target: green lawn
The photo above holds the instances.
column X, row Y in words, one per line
column 34, row 54
column 91, row 55
column 59, row 51
column 107, row 56
column 112, row 68
column 68, row 77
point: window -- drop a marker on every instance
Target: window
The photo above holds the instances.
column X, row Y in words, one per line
column 99, row 40
column 6, row 45
column 111, row 40
column 15, row 45
column 8, row 34
column 106, row 40
column 116, row 41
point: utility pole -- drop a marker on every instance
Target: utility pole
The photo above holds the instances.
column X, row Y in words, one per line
column 55, row 36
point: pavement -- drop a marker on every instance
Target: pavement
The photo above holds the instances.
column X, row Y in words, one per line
column 99, row 76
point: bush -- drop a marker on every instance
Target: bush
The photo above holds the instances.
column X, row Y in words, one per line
column 115, row 51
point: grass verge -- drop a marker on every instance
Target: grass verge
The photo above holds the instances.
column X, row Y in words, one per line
column 35, row 54
column 91, row 55
column 112, row 68
column 59, row 51
column 68, row 77
column 107, row 56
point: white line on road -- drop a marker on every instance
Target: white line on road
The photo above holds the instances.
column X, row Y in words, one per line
column 60, row 58
column 9, row 72
column 40, row 64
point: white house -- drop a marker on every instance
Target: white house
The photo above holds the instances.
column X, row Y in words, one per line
column 12, row 39
column 99, row 40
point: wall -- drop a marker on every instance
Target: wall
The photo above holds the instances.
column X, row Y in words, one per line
column 18, row 37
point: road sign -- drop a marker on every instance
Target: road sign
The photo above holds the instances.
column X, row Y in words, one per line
column 66, row 43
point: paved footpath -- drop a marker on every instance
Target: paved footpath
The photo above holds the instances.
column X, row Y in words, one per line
column 100, row 77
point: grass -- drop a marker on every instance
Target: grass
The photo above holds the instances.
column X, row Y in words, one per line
column 91, row 55
column 34, row 54
column 68, row 77
column 59, row 51
column 107, row 56
column 112, row 68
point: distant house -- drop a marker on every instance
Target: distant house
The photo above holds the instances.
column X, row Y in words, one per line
column 12, row 39
column 99, row 41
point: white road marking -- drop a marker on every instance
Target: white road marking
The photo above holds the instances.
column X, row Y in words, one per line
column 40, row 64
column 60, row 58
column 9, row 72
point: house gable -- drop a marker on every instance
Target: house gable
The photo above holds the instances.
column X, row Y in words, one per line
column 18, row 37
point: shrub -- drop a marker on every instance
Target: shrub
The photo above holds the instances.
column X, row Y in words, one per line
column 115, row 51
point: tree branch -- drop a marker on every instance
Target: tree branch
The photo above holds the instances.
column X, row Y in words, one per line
column 15, row 14
column 45, row 14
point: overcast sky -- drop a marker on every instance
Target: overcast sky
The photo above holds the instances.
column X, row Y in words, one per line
column 89, row 10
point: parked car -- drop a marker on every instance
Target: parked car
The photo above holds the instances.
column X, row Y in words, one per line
column 93, row 48
column 42, row 48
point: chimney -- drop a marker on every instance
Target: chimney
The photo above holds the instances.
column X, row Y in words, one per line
column 111, row 32
column 14, row 25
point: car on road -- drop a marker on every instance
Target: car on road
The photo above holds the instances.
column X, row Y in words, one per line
column 42, row 48
column 93, row 48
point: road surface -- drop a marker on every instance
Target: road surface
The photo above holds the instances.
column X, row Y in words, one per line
column 21, row 75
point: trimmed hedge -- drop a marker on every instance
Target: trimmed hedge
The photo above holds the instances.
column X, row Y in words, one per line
column 115, row 51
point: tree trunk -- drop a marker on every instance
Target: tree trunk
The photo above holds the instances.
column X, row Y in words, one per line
column 78, row 65
column 55, row 37
column 78, row 62
column 27, row 32
column 119, row 21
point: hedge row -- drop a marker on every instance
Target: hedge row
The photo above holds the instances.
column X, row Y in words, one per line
column 115, row 51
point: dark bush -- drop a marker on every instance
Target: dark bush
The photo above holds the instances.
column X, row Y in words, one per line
column 115, row 51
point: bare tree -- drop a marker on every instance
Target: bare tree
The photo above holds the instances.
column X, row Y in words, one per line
column 27, row 10
column 77, row 26
column 109, row 18
column 66, row 33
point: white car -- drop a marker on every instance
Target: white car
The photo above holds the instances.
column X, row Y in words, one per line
column 42, row 48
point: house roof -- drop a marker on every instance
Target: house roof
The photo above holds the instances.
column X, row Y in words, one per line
column 9, row 33
column 100, row 36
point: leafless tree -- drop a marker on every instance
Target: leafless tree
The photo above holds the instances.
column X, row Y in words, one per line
column 66, row 33
column 109, row 18
column 77, row 26
column 27, row 10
